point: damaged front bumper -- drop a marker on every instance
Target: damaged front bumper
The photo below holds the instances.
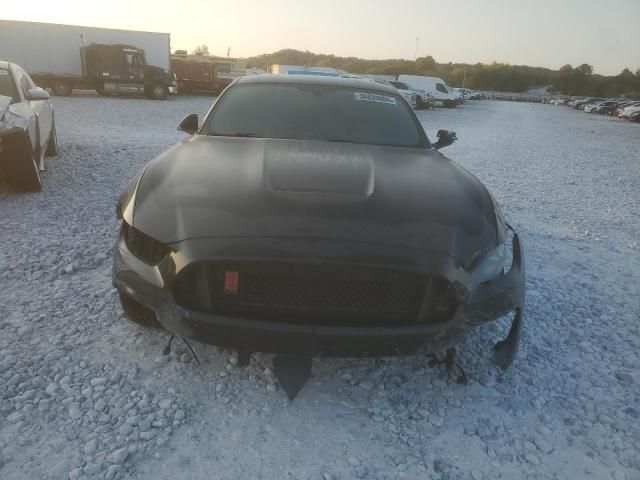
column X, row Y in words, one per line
column 153, row 287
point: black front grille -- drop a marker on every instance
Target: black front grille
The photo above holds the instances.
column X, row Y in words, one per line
column 143, row 246
column 330, row 294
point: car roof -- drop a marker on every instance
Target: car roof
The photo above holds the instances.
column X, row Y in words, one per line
column 316, row 80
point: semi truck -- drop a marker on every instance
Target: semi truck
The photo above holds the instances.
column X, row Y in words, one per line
column 67, row 57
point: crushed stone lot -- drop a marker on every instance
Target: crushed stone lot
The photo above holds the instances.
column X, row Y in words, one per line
column 86, row 394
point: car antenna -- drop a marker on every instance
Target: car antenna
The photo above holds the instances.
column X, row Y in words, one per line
column 167, row 349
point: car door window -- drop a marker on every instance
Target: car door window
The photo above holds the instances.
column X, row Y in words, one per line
column 7, row 85
column 23, row 84
column 441, row 88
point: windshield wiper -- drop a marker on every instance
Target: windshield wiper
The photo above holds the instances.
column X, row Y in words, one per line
column 235, row 134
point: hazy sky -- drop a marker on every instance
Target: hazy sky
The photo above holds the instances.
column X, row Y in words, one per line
column 550, row 33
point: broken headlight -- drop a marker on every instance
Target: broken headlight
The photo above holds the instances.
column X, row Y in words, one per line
column 488, row 265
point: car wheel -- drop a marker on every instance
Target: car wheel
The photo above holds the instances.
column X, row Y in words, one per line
column 22, row 170
column 61, row 88
column 138, row 313
column 52, row 146
column 158, row 92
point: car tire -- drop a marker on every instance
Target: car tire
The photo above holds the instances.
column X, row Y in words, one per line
column 158, row 92
column 23, row 173
column 138, row 313
column 61, row 88
column 52, row 145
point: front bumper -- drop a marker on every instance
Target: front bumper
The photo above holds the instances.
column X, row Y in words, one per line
column 152, row 286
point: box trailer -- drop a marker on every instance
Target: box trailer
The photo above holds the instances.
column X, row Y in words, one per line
column 197, row 73
column 110, row 61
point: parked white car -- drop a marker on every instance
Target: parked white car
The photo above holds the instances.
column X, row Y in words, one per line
column 628, row 111
column 27, row 128
column 423, row 99
column 590, row 106
column 409, row 95
column 607, row 107
column 437, row 87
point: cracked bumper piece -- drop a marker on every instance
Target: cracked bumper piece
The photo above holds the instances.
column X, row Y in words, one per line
column 228, row 292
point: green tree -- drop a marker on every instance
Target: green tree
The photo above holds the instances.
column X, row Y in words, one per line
column 580, row 80
column 201, row 50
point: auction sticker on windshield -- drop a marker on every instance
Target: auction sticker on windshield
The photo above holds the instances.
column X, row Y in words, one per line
column 374, row 97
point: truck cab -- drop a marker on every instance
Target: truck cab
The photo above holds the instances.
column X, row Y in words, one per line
column 116, row 69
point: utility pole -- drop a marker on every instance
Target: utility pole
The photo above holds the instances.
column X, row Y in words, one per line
column 415, row 55
column 464, row 76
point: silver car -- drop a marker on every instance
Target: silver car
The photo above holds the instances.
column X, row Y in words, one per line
column 27, row 128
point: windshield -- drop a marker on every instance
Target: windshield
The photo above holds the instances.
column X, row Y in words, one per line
column 315, row 112
column 7, row 87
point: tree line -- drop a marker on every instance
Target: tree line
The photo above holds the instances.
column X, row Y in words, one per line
column 503, row 77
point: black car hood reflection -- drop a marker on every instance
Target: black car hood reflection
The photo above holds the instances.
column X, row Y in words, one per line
column 252, row 187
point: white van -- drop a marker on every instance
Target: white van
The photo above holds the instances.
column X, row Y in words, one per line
column 442, row 94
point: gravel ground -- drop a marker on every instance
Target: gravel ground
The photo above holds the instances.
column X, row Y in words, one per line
column 85, row 394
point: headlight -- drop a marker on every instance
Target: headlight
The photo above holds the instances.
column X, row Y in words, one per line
column 143, row 246
column 488, row 265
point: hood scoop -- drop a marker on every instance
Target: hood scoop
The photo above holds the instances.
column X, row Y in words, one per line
column 318, row 167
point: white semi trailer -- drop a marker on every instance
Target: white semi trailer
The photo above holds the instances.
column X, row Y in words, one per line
column 110, row 61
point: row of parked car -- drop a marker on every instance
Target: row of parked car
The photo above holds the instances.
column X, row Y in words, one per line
column 422, row 92
column 444, row 95
column 619, row 107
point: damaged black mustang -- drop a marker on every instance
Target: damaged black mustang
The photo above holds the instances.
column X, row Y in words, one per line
column 311, row 216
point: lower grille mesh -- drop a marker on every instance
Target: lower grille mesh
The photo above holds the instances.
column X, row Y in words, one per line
column 329, row 289
column 302, row 293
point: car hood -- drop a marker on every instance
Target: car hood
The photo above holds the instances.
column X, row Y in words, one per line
column 244, row 187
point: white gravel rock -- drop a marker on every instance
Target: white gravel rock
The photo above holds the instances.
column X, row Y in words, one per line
column 51, row 389
column 15, row 417
column 63, row 337
column 75, row 412
column 90, row 447
column 543, row 445
column 118, row 456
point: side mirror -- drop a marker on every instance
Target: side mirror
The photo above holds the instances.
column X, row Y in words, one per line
column 445, row 138
column 189, row 124
column 38, row 94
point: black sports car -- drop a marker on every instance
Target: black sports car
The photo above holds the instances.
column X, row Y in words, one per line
column 312, row 216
